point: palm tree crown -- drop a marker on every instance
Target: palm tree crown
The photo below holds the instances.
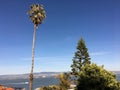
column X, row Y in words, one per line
column 37, row 14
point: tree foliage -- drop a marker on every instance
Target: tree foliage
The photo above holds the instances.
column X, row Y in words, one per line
column 93, row 77
column 52, row 87
column 81, row 57
column 64, row 81
column 37, row 14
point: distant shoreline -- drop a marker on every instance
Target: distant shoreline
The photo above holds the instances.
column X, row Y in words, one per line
column 37, row 75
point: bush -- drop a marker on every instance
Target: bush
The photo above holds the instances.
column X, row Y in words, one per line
column 52, row 87
column 93, row 77
column 64, row 81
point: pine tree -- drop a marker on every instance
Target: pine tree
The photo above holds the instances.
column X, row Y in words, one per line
column 81, row 57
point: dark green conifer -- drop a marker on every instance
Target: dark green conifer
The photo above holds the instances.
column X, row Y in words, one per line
column 81, row 57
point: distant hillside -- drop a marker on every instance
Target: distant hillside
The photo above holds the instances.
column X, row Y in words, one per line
column 25, row 76
column 116, row 72
column 38, row 75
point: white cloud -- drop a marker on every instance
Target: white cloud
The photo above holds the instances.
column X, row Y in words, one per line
column 99, row 53
column 57, row 59
column 57, row 63
column 69, row 38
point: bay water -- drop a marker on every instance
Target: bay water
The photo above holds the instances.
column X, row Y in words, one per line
column 38, row 82
column 24, row 83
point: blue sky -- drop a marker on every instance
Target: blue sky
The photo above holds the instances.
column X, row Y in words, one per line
column 97, row 21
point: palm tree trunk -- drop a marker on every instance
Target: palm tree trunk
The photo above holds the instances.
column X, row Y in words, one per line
column 32, row 67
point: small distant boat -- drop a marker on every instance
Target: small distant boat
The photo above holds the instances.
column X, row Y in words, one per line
column 26, row 82
column 43, row 76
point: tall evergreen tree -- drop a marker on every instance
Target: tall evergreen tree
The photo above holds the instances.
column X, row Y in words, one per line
column 81, row 57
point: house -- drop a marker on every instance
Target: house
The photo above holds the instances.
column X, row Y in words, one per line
column 5, row 88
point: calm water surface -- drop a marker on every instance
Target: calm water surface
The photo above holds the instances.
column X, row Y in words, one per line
column 24, row 82
column 37, row 82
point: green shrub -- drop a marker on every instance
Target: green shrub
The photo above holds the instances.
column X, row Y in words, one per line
column 52, row 87
column 93, row 77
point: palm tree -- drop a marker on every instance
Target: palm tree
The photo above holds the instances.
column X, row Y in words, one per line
column 37, row 15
